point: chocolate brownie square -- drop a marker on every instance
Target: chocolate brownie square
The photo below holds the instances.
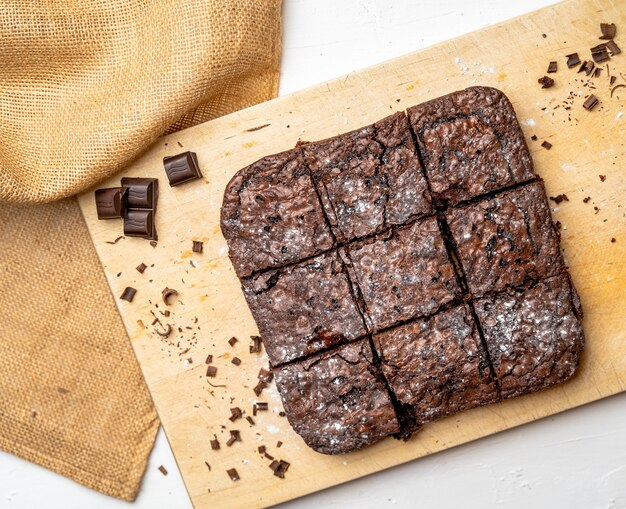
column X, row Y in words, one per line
column 271, row 215
column 471, row 143
column 337, row 401
column 369, row 179
column 436, row 366
column 304, row 308
column 402, row 275
column 534, row 336
column 506, row 240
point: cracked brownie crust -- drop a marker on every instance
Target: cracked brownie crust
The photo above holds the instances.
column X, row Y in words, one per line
column 534, row 336
column 436, row 366
column 337, row 401
column 471, row 144
column 507, row 240
column 305, row 308
column 271, row 215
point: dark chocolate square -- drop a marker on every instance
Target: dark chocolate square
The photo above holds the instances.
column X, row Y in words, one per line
column 402, row 275
column 140, row 223
column 111, row 202
column 369, row 179
column 471, row 144
column 534, row 336
column 304, row 308
column 142, row 192
column 272, row 216
column 337, row 401
column 182, row 168
column 507, row 240
column 436, row 366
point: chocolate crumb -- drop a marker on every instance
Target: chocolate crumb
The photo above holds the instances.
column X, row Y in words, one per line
column 62, row 390
column 232, row 341
column 141, row 267
column 235, row 413
column 197, row 246
column 621, row 85
column 547, row 145
column 232, row 473
column 250, row 420
column 281, row 414
column 559, row 198
column 552, row 66
column 572, row 60
column 600, row 53
column 602, row 178
column 558, row 225
column 608, row 30
column 236, row 361
column 613, row 240
column 209, row 359
column 153, row 243
column 534, row 137
column 166, row 293
column 163, row 470
column 128, row 294
column 211, row 371
column 545, row 82
column 586, row 199
column 215, row 444
column 258, row 388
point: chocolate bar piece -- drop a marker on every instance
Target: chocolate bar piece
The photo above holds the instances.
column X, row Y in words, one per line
column 111, row 202
column 140, row 223
column 182, row 168
column 142, row 192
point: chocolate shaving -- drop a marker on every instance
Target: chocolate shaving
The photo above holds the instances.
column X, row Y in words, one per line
column 590, row 103
column 215, row 444
column 141, row 267
column 235, row 413
column 153, row 243
column 608, row 30
column 255, row 347
column 128, row 294
column 112, row 242
column 265, row 375
column 167, row 330
column 163, row 470
column 262, row 405
column 546, row 144
column 559, row 198
column 613, row 48
column 552, row 66
column 166, row 313
column 211, row 371
column 236, row 361
column 232, row 473
column 197, row 246
column 621, row 85
column 207, row 465
column 166, row 293
column 258, row 388
column 232, row 341
column 545, row 82
column 572, row 60
column 600, row 53
column 250, row 420
column 257, row 128
column 282, row 414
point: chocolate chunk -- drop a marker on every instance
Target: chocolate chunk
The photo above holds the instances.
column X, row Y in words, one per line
column 235, row 413
column 197, row 246
column 211, row 371
column 265, row 375
column 608, row 30
column 559, row 198
column 141, row 267
column 111, row 202
column 255, row 347
column 572, row 60
column 142, row 192
column 258, row 389
column 163, row 470
column 600, row 53
column 545, row 82
column 546, row 144
column 166, row 293
column 613, row 48
column 232, row 473
column 552, row 66
column 591, row 102
column 232, row 341
column 140, row 223
column 236, row 361
column 182, row 168
column 128, row 294
column 215, row 444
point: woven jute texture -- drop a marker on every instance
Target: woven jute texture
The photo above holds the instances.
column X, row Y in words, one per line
column 85, row 87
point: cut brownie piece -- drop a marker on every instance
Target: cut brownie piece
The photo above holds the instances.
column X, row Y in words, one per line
column 534, row 336
column 337, row 401
column 369, row 179
column 471, row 143
column 271, row 215
column 506, row 240
column 436, row 366
column 304, row 308
column 402, row 275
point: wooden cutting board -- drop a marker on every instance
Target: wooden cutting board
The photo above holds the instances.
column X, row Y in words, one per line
column 210, row 308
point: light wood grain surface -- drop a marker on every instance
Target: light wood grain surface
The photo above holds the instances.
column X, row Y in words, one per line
column 510, row 56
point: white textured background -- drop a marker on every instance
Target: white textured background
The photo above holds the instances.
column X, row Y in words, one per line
column 573, row 460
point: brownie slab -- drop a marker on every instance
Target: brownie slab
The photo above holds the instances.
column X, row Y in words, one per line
column 369, row 179
column 534, row 337
column 337, row 401
column 507, row 240
column 304, row 308
column 436, row 366
column 471, row 144
column 271, row 215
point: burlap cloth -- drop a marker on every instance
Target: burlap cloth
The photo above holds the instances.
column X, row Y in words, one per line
column 85, row 87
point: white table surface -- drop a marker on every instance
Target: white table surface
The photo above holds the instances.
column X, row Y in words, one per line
column 576, row 459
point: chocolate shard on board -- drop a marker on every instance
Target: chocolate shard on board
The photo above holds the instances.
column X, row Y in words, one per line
column 545, row 82
column 181, row 168
column 128, row 294
column 140, row 223
column 613, row 48
column 111, row 202
column 534, row 336
column 600, row 53
column 471, row 144
column 552, row 66
column 572, row 60
column 142, row 192
column 590, row 103
column 608, row 30
column 197, row 246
